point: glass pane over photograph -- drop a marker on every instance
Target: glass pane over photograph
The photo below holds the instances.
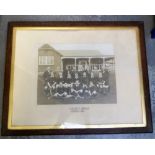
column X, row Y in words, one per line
column 76, row 77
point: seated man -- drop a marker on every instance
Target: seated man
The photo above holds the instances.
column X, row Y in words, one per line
column 86, row 93
column 60, row 90
column 102, row 88
column 67, row 90
column 92, row 89
column 77, row 90
column 46, row 89
column 53, row 89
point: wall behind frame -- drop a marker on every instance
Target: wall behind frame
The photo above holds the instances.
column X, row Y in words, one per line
column 150, row 48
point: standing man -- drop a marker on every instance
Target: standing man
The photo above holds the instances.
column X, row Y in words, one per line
column 60, row 77
column 100, row 76
column 69, row 77
column 106, row 76
column 47, row 74
column 92, row 77
column 76, row 76
column 84, row 78
column 52, row 78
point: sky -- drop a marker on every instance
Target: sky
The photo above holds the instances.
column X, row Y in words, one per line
column 106, row 49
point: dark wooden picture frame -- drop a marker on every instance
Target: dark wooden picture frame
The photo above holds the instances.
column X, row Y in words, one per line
column 6, row 131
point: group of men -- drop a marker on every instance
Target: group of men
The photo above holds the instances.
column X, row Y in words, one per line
column 75, row 84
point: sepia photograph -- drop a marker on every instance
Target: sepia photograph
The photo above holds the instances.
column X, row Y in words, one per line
column 76, row 73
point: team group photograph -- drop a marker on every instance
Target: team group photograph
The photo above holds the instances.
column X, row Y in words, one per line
column 75, row 79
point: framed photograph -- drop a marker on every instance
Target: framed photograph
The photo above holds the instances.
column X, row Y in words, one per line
column 76, row 78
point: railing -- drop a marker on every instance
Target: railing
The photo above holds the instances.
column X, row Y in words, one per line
column 91, row 67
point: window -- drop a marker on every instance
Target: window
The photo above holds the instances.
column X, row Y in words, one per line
column 46, row 60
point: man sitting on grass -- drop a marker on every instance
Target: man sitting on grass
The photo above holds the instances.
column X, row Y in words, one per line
column 92, row 89
column 77, row 90
column 60, row 91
